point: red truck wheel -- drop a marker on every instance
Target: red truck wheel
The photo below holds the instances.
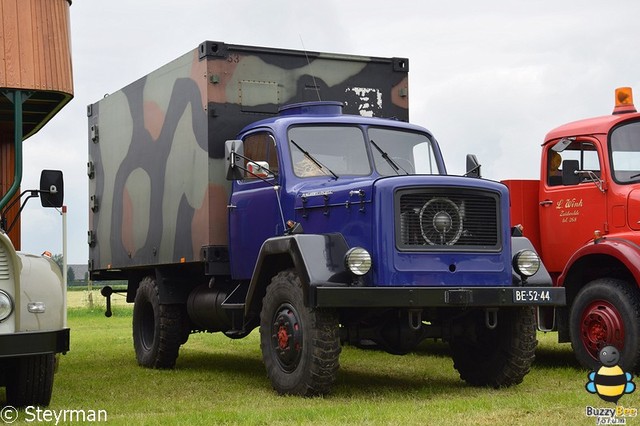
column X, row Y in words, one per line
column 158, row 330
column 300, row 346
column 606, row 312
column 498, row 357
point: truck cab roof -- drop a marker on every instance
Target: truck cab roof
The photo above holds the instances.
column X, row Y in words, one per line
column 590, row 126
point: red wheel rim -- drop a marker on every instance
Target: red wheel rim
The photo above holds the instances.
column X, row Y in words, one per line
column 286, row 337
column 601, row 325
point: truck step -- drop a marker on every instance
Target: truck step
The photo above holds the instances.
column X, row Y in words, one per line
column 236, row 299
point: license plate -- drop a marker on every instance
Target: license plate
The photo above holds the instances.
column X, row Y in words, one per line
column 529, row 295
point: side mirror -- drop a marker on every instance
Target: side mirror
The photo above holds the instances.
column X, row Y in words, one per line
column 569, row 175
column 233, row 154
column 473, row 166
column 51, row 188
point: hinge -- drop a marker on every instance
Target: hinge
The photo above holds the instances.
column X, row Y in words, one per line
column 326, row 205
column 93, row 203
column 91, row 238
column 93, row 133
column 91, row 170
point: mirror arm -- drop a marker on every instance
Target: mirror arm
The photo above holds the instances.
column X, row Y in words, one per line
column 232, row 163
column 33, row 193
column 594, row 178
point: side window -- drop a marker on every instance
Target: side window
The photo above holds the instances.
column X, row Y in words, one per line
column 262, row 156
column 584, row 152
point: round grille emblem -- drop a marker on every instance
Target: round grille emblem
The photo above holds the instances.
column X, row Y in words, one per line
column 440, row 222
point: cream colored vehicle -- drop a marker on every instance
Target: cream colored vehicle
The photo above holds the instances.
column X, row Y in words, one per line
column 36, row 82
column 33, row 324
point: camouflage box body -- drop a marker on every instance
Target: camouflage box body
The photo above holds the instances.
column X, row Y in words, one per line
column 158, row 193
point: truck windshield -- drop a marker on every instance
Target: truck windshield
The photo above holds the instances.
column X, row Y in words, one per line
column 625, row 153
column 406, row 152
column 337, row 149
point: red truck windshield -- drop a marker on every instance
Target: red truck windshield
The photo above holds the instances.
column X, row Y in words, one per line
column 625, row 153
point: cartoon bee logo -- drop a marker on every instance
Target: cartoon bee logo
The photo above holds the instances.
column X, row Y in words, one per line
column 610, row 382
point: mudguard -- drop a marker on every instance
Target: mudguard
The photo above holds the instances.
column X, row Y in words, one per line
column 318, row 259
column 625, row 251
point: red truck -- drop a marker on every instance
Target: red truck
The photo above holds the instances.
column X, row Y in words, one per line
column 583, row 217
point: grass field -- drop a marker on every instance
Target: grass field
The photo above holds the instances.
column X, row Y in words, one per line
column 223, row 381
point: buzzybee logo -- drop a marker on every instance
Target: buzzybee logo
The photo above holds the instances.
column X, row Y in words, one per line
column 610, row 382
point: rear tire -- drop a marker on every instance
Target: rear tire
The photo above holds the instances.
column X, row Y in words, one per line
column 606, row 312
column 500, row 357
column 158, row 329
column 300, row 346
column 30, row 381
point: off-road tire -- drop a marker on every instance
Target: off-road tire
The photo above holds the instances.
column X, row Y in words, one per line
column 30, row 380
column 300, row 346
column 606, row 312
column 499, row 357
column 158, row 329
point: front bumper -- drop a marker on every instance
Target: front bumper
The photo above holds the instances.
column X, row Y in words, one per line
column 34, row 343
column 426, row 297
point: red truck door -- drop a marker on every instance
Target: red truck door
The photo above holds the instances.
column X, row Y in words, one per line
column 570, row 214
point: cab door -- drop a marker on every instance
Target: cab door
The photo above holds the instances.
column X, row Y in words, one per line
column 570, row 213
column 254, row 210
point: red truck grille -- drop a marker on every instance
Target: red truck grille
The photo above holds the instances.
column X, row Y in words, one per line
column 452, row 218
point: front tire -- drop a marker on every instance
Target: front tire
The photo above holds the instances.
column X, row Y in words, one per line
column 606, row 312
column 300, row 346
column 158, row 329
column 30, row 381
column 499, row 357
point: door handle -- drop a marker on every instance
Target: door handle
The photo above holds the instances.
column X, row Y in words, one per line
column 546, row 203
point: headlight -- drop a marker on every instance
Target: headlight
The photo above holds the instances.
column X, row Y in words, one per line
column 358, row 261
column 6, row 306
column 526, row 263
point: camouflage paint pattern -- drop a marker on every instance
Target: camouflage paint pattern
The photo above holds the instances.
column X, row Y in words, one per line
column 158, row 192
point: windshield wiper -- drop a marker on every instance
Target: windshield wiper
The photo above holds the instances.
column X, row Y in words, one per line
column 396, row 168
column 316, row 162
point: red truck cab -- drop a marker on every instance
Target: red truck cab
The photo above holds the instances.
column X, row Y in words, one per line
column 583, row 217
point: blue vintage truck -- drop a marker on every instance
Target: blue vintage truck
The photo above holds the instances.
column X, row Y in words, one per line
column 243, row 187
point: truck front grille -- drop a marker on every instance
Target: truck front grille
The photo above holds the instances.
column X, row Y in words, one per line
column 5, row 272
column 447, row 218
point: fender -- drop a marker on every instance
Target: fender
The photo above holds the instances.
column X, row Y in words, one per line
column 318, row 259
column 625, row 251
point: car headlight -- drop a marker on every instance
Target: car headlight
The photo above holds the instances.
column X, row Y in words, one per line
column 6, row 305
column 526, row 263
column 358, row 261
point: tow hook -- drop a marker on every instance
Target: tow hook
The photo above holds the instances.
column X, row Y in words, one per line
column 491, row 318
column 415, row 319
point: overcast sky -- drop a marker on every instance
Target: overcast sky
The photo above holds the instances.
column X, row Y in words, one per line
column 486, row 77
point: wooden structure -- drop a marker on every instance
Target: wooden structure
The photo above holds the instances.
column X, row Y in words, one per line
column 35, row 71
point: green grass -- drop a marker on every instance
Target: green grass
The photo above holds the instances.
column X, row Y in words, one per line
column 222, row 381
